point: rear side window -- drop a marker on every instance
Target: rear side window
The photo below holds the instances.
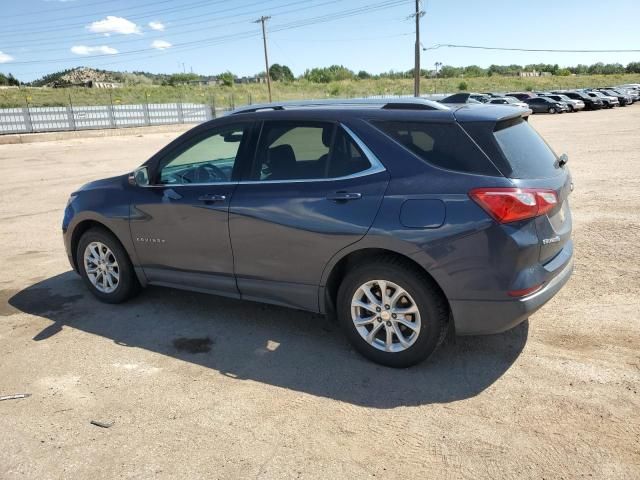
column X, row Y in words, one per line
column 443, row 145
column 526, row 153
column 306, row 151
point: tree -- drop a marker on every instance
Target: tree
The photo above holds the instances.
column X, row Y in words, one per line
column 328, row 74
column 447, row 71
column 474, row 71
column 135, row 79
column 633, row 67
column 227, row 78
column 612, row 68
column 280, row 73
column 596, row 68
column 182, row 78
column 9, row 80
column 580, row 69
column 363, row 75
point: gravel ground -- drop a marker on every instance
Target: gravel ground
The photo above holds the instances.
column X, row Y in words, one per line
column 280, row 394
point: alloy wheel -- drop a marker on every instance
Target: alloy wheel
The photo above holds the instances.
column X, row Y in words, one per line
column 101, row 267
column 385, row 315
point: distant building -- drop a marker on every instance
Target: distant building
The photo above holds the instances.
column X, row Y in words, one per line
column 254, row 79
column 94, row 84
column 534, row 73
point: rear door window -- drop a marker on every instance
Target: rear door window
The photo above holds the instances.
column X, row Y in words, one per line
column 306, row 151
column 444, row 145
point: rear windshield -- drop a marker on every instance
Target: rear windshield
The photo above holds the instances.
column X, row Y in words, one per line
column 444, row 145
column 526, row 153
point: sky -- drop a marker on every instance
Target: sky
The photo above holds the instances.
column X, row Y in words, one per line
column 212, row 36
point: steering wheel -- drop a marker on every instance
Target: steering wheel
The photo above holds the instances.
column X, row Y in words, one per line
column 208, row 172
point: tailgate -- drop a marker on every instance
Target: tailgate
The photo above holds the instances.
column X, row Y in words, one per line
column 554, row 228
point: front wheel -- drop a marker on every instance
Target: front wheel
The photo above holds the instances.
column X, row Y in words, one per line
column 392, row 313
column 551, row 110
column 105, row 267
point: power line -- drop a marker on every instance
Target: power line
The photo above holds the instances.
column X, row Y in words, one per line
column 57, row 9
column 479, row 47
column 204, row 42
column 58, row 28
column 92, row 14
column 173, row 24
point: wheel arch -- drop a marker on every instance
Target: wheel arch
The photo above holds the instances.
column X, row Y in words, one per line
column 79, row 229
column 91, row 222
column 351, row 259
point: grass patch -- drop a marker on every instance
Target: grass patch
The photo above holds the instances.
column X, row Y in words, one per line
column 226, row 97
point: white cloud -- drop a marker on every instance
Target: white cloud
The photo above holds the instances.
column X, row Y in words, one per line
column 157, row 26
column 5, row 57
column 160, row 44
column 84, row 50
column 113, row 24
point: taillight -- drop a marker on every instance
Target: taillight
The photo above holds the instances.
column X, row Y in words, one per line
column 512, row 204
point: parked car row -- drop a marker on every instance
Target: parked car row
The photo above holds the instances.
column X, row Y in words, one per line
column 556, row 101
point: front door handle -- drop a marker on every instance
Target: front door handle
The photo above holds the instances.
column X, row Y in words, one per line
column 210, row 198
column 344, row 196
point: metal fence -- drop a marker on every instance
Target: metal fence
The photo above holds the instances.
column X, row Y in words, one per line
column 55, row 119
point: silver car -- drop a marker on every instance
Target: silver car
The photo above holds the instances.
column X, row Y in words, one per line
column 507, row 100
column 573, row 105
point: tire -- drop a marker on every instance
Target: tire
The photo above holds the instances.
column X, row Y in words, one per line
column 105, row 287
column 551, row 110
column 431, row 317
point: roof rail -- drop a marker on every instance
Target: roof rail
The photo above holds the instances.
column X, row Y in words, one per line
column 383, row 103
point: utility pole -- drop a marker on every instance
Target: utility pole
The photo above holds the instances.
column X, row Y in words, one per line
column 262, row 20
column 416, row 68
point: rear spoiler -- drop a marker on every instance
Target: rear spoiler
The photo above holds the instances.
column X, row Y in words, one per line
column 524, row 114
column 491, row 113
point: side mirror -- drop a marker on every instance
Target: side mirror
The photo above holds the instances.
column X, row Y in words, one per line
column 139, row 177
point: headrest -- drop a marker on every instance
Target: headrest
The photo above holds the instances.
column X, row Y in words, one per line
column 327, row 134
column 282, row 162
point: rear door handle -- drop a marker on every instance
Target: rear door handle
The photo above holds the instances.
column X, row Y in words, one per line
column 344, row 196
column 210, row 198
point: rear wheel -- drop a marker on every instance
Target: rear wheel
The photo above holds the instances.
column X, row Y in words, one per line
column 392, row 313
column 105, row 266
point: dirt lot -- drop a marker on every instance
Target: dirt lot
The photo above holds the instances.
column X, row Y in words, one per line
column 281, row 394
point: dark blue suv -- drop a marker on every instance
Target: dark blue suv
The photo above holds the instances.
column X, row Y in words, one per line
column 404, row 219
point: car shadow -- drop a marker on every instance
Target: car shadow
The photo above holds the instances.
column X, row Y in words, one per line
column 278, row 346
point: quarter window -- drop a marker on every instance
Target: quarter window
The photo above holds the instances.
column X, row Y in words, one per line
column 444, row 145
column 209, row 160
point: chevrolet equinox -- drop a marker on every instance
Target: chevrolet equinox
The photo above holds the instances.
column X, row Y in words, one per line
column 405, row 219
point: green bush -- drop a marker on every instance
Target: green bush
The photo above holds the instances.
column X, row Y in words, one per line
column 463, row 86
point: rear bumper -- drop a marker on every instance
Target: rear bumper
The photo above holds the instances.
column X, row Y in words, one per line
column 482, row 317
